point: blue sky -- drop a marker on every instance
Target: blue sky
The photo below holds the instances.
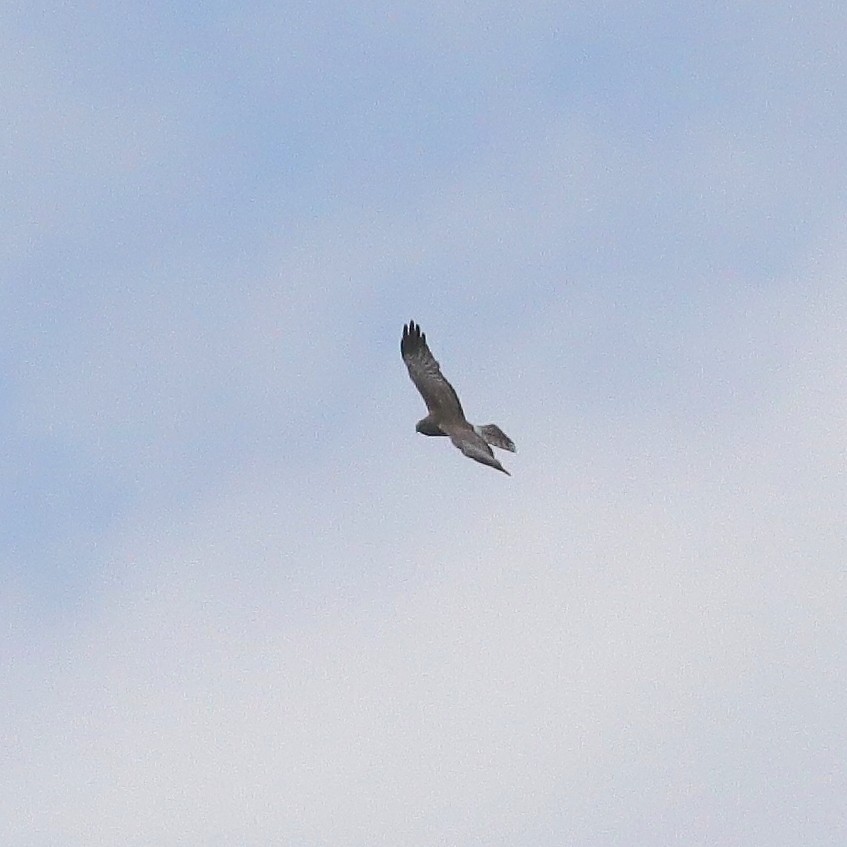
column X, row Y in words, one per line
column 244, row 602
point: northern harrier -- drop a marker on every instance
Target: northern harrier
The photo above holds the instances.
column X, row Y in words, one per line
column 445, row 411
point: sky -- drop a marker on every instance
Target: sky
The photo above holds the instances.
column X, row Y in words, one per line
column 244, row 603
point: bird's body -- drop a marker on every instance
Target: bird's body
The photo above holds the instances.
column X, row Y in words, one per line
column 446, row 416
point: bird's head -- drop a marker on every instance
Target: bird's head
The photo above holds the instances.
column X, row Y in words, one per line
column 426, row 426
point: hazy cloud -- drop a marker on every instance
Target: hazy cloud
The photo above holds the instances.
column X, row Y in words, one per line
column 246, row 604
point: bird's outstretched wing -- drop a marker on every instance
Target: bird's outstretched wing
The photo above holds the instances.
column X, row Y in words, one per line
column 440, row 397
column 474, row 447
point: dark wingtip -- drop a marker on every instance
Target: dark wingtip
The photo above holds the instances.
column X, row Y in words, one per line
column 412, row 337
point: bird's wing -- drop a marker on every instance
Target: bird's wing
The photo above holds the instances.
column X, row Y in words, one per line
column 474, row 447
column 440, row 397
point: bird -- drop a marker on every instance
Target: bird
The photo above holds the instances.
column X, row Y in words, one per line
column 445, row 410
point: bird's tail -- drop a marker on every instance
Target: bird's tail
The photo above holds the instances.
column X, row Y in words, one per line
column 495, row 436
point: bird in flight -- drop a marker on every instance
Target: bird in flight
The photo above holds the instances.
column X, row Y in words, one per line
column 445, row 411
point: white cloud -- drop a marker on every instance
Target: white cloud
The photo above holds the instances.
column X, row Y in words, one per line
column 310, row 625
column 575, row 649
